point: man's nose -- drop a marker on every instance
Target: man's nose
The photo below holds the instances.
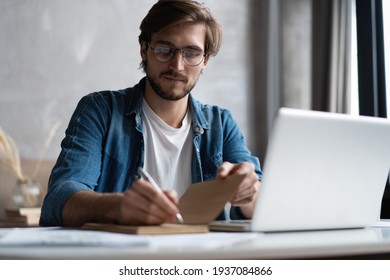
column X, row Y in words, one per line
column 177, row 61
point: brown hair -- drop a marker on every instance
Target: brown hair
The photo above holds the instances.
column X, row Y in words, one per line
column 166, row 13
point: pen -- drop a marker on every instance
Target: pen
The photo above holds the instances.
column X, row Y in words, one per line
column 146, row 176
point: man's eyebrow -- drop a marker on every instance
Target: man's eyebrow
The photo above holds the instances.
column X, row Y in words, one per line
column 164, row 42
column 195, row 47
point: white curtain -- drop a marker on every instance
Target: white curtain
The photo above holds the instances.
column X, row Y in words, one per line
column 329, row 76
column 331, row 55
column 266, row 57
column 340, row 48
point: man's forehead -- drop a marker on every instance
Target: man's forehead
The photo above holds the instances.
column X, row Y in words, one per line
column 188, row 33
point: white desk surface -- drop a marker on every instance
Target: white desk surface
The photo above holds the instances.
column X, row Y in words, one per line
column 351, row 243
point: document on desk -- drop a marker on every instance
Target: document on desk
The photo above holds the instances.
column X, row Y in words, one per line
column 60, row 237
column 68, row 237
column 212, row 240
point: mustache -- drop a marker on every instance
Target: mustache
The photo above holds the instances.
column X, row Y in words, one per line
column 174, row 74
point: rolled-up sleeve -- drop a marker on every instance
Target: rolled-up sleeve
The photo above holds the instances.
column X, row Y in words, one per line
column 78, row 166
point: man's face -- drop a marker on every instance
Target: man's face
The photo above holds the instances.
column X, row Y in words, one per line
column 174, row 79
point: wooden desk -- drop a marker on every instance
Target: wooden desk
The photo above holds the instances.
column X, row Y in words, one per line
column 368, row 243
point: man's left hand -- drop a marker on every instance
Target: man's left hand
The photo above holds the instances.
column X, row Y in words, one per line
column 245, row 196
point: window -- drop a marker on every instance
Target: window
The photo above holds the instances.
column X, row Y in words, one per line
column 354, row 70
column 370, row 57
column 369, row 61
column 386, row 33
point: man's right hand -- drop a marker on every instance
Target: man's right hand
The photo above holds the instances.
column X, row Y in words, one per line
column 142, row 204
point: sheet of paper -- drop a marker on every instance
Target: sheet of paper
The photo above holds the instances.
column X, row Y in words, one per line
column 201, row 241
column 204, row 201
column 68, row 237
column 72, row 237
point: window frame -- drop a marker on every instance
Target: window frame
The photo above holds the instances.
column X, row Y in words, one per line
column 371, row 59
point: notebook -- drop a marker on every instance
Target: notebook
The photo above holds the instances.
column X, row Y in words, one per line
column 321, row 171
column 148, row 229
column 199, row 205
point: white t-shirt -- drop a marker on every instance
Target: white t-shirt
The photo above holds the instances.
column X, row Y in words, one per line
column 168, row 151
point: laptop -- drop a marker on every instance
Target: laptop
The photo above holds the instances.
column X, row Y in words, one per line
column 321, row 171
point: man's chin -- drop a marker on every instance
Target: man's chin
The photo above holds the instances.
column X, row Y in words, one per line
column 172, row 93
column 171, row 96
column 169, row 91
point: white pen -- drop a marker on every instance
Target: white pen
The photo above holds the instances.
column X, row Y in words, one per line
column 146, row 176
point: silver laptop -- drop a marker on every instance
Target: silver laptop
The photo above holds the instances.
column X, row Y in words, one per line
column 321, row 171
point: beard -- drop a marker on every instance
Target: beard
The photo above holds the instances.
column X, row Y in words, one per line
column 166, row 94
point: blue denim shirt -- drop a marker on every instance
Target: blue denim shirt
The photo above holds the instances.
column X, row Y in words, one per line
column 103, row 147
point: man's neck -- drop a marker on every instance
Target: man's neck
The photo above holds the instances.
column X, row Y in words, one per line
column 172, row 112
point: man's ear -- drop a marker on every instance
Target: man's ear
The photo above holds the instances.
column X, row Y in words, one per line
column 143, row 50
column 206, row 60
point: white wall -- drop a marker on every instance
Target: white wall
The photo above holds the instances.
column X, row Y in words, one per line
column 52, row 52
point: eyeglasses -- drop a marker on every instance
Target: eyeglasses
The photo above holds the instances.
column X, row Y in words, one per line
column 165, row 53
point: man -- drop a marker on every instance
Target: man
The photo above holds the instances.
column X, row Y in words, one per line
column 157, row 125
